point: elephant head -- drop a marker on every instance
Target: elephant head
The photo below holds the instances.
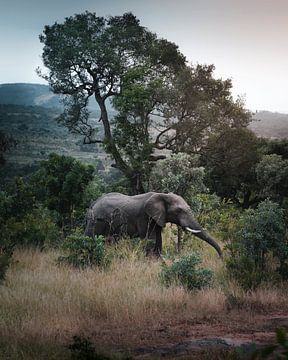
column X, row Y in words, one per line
column 163, row 208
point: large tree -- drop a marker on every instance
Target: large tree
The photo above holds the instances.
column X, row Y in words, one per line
column 160, row 101
column 89, row 56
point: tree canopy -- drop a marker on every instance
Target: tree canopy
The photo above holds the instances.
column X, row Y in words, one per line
column 161, row 102
column 230, row 158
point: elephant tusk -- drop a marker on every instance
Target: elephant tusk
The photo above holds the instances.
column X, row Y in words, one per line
column 192, row 230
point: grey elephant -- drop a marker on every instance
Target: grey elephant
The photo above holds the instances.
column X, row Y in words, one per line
column 143, row 216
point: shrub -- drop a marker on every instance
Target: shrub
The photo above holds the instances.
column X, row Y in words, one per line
column 185, row 272
column 260, row 247
column 83, row 251
column 36, row 228
column 179, row 173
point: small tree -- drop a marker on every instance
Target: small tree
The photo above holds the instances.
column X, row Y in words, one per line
column 60, row 184
column 260, row 239
column 179, row 174
column 83, row 251
column 187, row 273
column 272, row 174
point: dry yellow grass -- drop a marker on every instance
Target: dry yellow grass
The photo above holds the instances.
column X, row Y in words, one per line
column 43, row 305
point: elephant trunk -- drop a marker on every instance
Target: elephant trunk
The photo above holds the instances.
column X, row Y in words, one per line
column 201, row 234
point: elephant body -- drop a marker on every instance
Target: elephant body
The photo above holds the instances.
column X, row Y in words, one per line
column 143, row 216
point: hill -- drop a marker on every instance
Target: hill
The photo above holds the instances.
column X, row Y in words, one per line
column 270, row 125
column 37, row 134
column 265, row 123
column 28, row 95
column 28, row 112
column 35, row 95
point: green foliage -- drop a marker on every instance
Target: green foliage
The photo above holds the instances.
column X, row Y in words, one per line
column 180, row 174
column 260, row 247
column 22, row 221
column 36, row 228
column 275, row 146
column 202, row 105
column 117, row 57
column 60, row 184
column 93, row 191
column 187, row 273
column 83, row 349
column 16, row 201
column 230, row 158
column 227, row 221
column 219, row 216
column 83, row 251
column 206, row 207
column 272, row 173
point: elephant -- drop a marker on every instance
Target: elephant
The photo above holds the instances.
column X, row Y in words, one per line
column 143, row 216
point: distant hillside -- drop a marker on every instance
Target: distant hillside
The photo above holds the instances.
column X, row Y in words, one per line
column 270, row 125
column 36, row 95
column 37, row 135
column 29, row 95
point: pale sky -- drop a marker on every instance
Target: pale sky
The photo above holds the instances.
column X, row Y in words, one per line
column 247, row 40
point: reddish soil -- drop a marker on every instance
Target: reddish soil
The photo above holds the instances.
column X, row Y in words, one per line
column 183, row 339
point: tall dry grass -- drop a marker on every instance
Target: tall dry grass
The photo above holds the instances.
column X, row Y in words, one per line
column 42, row 305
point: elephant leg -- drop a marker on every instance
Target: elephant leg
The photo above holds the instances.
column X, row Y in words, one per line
column 158, row 242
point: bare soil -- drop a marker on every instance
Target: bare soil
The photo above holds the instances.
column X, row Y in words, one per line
column 194, row 338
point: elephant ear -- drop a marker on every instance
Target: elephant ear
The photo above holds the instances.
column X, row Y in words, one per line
column 155, row 209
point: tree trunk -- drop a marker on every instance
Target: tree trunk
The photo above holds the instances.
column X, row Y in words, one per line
column 111, row 147
column 133, row 177
column 136, row 183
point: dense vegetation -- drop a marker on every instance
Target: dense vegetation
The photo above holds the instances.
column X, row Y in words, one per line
column 235, row 182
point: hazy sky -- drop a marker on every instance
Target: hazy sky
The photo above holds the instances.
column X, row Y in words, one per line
column 247, row 40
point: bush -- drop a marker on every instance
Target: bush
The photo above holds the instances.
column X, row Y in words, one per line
column 84, row 251
column 185, row 272
column 36, row 228
column 260, row 251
